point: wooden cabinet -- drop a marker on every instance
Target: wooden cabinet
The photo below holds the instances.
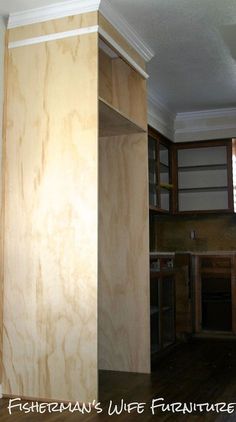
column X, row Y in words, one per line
column 215, row 293
column 203, row 177
column 193, row 177
column 160, row 176
column 162, row 294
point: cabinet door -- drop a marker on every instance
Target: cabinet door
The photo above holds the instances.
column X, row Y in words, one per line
column 155, row 315
column 168, row 311
column 160, row 186
column 204, row 177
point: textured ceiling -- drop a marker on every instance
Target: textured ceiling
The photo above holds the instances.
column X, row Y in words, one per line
column 195, row 45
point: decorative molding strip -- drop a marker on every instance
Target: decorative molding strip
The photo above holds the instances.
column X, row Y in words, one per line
column 52, row 37
column 207, row 114
column 205, row 124
column 52, row 11
column 76, row 32
column 160, row 105
column 160, row 117
column 206, row 129
column 121, row 51
column 122, row 26
column 76, row 7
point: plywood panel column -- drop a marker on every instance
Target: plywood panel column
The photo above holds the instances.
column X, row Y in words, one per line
column 51, row 222
column 124, row 304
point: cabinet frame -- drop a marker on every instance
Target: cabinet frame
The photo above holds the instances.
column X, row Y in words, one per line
column 202, row 144
column 231, row 272
column 161, row 140
column 160, row 277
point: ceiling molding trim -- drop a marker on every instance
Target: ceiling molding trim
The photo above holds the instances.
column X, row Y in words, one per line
column 207, row 114
column 52, row 11
column 127, row 31
column 160, row 117
column 123, row 53
column 205, row 124
column 76, row 7
column 206, row 129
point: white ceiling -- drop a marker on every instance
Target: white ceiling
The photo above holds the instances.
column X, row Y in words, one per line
column 194, row 41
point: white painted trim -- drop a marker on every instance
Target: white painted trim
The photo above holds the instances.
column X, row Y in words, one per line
column 205, row 124
column 52, row 11
column 160, row 105
column 122, row 26
column 160, row 117
column 52, row 37
column 207, row 114
column 122, row 52
column 76, row 7
column 76, row 32
column 205, row 129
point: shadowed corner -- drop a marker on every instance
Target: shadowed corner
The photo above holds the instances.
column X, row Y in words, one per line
column 228, row 33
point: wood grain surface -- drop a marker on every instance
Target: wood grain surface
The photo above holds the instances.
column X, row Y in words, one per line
column 124, row 307
column 51, row 222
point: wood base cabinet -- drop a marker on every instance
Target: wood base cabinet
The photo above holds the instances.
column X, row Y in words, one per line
column 215, row 307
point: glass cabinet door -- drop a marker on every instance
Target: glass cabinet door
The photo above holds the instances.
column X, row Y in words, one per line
column 159, row 175
column 164, row 177
column 153, row 172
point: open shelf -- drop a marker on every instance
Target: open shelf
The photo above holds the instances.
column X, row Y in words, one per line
column 204, row 189
column 167, row 186
column 202, row 168
column 112, row 122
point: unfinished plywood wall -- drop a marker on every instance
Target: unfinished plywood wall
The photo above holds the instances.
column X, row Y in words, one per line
column 2, row 55
column 51, row 223
column 124, row 319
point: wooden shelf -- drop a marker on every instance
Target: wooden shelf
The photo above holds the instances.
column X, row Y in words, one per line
column 202, row 168
column 167, row 186
column 164, row 168
column 112, row 122
column 204, row 189
column 154, row 209
column 213, row 271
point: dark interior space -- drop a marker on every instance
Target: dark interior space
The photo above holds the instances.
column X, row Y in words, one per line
column 216, row 304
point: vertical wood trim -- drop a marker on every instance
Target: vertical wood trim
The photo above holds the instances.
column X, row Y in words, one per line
column 198, row 307
column 3, row 204
column 233, row 292
column 230, row 175
column 174, row 165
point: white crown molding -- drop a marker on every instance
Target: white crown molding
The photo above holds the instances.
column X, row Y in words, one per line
column 123, row 53
column 207, row 114
column 122, row 26
column 160, row 117
column 206, row 129
column 52, row 11
column 76, row 7
column 205, row 124
column 160, row 105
